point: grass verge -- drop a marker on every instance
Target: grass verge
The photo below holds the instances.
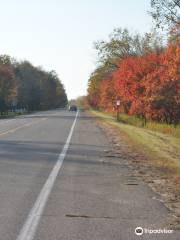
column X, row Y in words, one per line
column 12, row 115
column 154, row 126
column 162, row 149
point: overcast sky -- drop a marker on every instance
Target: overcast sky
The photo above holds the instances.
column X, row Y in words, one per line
column 59, row 34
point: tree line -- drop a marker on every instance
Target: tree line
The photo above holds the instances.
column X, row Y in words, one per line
column 24, row 86
column 140, row 71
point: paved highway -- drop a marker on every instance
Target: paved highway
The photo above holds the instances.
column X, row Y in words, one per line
column 56, row 185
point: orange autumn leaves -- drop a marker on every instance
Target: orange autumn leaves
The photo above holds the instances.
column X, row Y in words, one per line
column 148, row 86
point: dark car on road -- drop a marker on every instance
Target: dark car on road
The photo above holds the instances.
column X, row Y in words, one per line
column 73, row 108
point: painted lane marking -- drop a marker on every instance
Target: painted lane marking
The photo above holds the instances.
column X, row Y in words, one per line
column 22, row 126
column 31, row 224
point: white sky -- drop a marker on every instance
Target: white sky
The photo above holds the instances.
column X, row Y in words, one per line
column 59, row 34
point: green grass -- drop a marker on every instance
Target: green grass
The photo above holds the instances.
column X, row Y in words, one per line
column 154, row 126
column 11, row 115
column 164, row 149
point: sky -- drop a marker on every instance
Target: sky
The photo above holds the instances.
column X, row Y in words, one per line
column 59, row 34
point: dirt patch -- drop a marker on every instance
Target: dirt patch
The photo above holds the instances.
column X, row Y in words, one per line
column 167, row 186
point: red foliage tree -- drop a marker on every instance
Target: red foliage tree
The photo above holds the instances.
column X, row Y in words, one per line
column 148, row 86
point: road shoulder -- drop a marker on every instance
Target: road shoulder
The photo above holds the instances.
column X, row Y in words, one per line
column 141, row 163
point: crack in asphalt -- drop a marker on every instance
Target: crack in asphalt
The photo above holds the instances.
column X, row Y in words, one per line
column 88, row 216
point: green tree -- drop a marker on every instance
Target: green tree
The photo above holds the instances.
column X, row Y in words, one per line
column 28, row 86
column 7, row 83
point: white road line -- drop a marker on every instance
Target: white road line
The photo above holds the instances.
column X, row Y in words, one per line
column 30, row 226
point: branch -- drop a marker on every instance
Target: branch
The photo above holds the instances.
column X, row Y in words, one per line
column 177, row 3
column 169, row 9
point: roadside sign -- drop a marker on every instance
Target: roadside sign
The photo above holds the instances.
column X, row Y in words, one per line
column 117, row 108
column 118, row 102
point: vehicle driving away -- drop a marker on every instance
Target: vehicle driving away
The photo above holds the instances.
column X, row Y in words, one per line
column 90, row 120
column 73, row 108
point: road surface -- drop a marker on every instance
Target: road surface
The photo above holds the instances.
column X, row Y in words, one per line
column 55, row 184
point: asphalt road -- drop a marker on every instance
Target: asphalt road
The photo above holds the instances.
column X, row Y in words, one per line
column 56, row 185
